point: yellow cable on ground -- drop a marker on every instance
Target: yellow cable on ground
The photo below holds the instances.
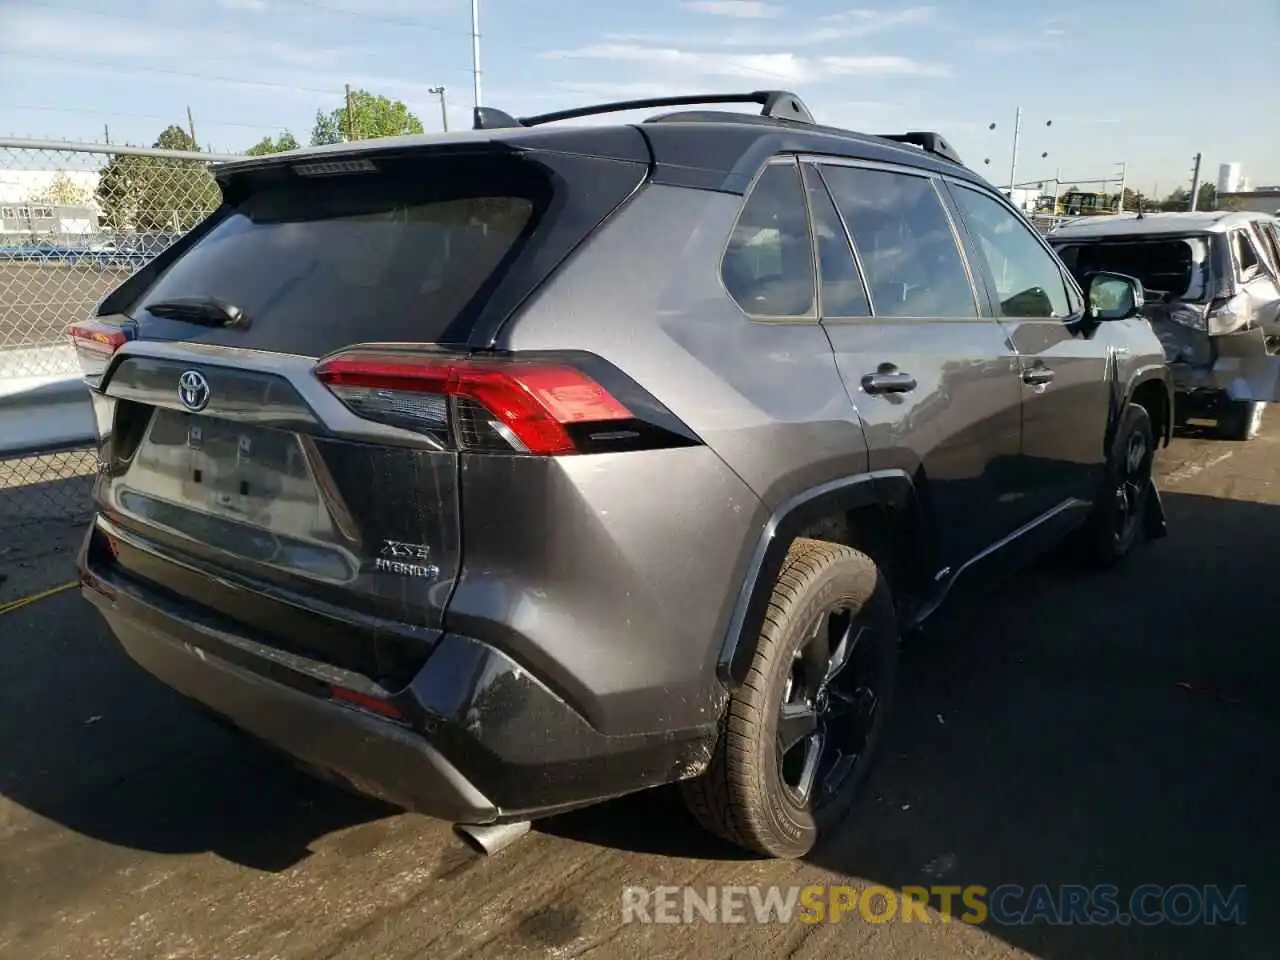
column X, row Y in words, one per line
column 13, row 605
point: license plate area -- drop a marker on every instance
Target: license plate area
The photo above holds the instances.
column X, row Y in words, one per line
column 242, row 489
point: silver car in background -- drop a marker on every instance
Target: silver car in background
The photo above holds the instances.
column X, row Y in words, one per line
column 1212, row 282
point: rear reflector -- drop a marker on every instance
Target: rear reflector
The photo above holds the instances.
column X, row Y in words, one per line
column 372, row 704
column 96, row 342
column 512, row 405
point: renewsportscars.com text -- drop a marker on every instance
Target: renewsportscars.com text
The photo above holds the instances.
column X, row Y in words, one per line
column 1006, row 905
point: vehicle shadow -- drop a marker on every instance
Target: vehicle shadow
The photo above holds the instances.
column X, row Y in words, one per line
column 1070, row 728
column 93, row 743
column 1096, row 729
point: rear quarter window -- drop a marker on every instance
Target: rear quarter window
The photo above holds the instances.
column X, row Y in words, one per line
column 768, row 263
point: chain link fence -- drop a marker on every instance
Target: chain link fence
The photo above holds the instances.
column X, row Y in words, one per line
column 75, row 221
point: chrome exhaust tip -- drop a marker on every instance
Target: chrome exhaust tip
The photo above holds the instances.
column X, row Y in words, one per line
column 489, row 839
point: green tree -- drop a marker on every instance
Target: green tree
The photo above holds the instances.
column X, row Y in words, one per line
column 1135, row 200
column 155, row 194
column 372, row 115
column 64, row 192
column 1178, row 199
column 327, row 128
column 266, row 145
column 1207, row 197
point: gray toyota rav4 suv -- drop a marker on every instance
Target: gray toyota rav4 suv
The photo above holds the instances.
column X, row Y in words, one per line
column 500, row 472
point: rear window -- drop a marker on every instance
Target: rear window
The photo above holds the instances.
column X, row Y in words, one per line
column 1175, row 269
column 404, row 254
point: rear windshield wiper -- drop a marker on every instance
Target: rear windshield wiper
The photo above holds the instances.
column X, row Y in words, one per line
column 208, row 310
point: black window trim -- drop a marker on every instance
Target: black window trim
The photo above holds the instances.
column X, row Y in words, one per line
column 977, row 287
column 848, row 239
column 1068, row 281
column 812, row 317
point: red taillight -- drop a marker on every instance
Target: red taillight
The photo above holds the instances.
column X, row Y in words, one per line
column 96, row 342
column 365, row 701
column 513, row 404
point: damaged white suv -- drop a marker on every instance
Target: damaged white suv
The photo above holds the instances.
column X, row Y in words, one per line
column 1212, row 284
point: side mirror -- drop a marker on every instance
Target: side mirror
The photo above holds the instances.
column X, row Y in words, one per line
column 1114, row 296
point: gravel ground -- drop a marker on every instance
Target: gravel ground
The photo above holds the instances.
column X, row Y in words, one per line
column 1067, row 729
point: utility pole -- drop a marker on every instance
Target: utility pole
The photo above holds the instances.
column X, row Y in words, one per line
column 1124, row 172
column 1195, row 183
column 444, row 113
column 1057, row 187
column 191, row 129
column 106, row 133
column 351, row 116
column 475, row 51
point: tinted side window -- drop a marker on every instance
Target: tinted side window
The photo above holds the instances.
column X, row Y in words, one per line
column 768, row 265
column 904, row 241
column 843, row 294
column 1028, row 280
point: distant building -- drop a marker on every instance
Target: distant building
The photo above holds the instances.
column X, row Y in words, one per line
column 1228, row 178
column 1258, row 201
column 27, row 210
column 1024, row 198
column 40, row 220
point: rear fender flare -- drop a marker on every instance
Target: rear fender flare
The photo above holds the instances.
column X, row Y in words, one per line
column 891, row 490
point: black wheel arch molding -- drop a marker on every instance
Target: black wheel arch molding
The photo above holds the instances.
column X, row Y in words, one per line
column 1143, row 379
column 890, row 493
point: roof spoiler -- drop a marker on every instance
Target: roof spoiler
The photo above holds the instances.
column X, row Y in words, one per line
column 926, row 141
column 778, row 104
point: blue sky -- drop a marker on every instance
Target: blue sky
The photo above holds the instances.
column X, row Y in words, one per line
column 1120, row 80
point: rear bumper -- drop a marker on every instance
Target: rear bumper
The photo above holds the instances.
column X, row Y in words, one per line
column 476, row 737
column 374, row 756
column 1242, row 368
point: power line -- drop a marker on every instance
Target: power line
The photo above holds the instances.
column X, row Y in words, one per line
column 118, row 67
column 139, row 116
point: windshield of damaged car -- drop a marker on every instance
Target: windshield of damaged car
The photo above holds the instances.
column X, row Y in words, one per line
column 1176, row 269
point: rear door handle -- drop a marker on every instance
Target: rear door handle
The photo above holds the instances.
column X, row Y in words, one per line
column 888, row 379
column 1037, row 376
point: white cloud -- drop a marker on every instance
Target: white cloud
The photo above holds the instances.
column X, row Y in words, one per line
column 787, row 66
column 880, row 66
column 832, row 28
column 1047, row 35
column 164, row 45
column 741, row 9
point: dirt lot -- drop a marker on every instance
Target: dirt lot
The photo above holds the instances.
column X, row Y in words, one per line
column 37, row 301
column 1068, row 729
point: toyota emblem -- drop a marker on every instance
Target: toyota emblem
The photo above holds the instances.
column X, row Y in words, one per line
column 193, row 390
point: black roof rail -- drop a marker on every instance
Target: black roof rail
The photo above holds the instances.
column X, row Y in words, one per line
column 928, row 142
column 777, row 104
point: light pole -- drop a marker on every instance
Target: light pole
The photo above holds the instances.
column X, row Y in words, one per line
column 444, row 113
column 1124, row 171
column 475, row 51
column 1017, row 136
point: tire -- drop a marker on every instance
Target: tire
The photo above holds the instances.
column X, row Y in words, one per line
column 1116, row 523
column 1240, row 419
column 752, row 793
